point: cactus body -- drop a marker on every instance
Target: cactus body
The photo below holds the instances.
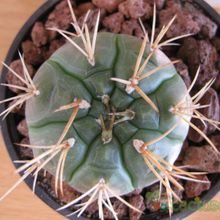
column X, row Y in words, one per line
column 68, row 75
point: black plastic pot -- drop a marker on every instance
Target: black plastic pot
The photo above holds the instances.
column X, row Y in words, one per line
column 10, row 133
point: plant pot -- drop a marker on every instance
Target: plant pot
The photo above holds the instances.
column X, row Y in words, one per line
column 10, row 133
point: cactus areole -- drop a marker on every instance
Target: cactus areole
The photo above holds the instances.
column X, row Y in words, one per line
column 105, row 131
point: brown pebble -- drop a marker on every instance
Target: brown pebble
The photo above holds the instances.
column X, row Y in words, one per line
column 183, row 150
column 54, row 45
column 18, row 109
column 16, row 65
column 217, row 81
column 153, row 206
column 212, row 112
column 25, row 152
column 193, row 189
column 193, row 135
column 134, row 193
column 136, row 9
column 60, row 18
column 92, row 208
column 183, row 71
column 39, row 34
column 183, row 24
column 109, row 5
column 153, row 199
column 120, row 208
column 138, row 202
column 92, row 18
column 132, row 27
column 69, row 194
column 208, row 28
column 216, row 43
column 201, row 53
column 114, row 22
column 216, row 141
column 173, row 3
column 32, row 53
column 159, row 3
column 84, row 8
column 23, row 128
column 203, row 158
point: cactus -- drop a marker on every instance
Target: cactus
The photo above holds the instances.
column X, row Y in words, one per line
column 108, row 114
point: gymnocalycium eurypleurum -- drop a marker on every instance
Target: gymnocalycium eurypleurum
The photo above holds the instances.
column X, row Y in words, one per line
column 108, row 114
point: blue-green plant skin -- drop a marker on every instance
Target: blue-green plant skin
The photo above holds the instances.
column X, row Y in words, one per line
column 68, row 75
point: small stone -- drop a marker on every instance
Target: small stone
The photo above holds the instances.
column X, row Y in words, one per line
column 60, row 17
column 16, row 65
column 92, row 18
column 203, row 158
column 137, row 202
column 183, row 24
column 32, row 53
column 159, row 3
column 193, row 189
column 18, row 109
column 123, row 8
column 92, row 208
column 208, row 28
column 114, row 22
column 174, row 3
column 216, row 43
column 136, row 9
column 201, row 53
column 69, row 194
column 152, row 199
column 54, row 45
column 132, row 27
column 134, row 193
column 39, row 34
column 109, row 5
column 217, row 81
column 212, row 112
column 155, row 201
column 208, row 59
column 119, row 207
column 183, row 150
column 84, row 8
column 23, row 128
column 183, row 71
column 193, row 135
column 25, row 153
column 216, row 141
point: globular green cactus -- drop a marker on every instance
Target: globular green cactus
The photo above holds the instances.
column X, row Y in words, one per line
column 106, row 150
column 108, row 115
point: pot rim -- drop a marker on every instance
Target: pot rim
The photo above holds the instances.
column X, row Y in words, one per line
column 8, row 127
